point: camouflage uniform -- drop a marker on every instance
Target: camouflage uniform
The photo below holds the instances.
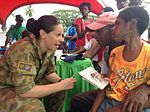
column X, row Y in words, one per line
column 21, row 68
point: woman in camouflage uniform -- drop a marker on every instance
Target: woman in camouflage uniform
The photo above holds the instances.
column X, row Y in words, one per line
column 27, row 70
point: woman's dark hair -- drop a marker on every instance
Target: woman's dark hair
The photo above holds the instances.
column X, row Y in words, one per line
column 138, row 13
column 85, row 4
column 46, row 23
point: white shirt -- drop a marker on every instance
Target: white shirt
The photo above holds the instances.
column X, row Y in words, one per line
column 88, row 45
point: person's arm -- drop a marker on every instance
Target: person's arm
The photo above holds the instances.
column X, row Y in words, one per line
column 86, row 47
column 93, row 51
column 118, row 108
column 53, row 77
column 39, row 91
column 81, row 50
column 99, row 98
column 56, row 85
column 79, row 24
column 25, row 74
column 74, row 37
column 80, row 33
column 67, row 37
column 137, row 99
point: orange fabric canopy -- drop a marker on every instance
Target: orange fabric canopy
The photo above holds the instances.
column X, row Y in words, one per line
column 8, row 6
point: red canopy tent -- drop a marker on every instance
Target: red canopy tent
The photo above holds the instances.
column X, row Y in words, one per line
column 8, row 6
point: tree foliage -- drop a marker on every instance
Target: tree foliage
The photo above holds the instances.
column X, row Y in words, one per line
column 29, row 11
column 65, row 16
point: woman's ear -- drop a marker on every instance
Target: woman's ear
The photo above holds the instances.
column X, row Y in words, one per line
column 42, row 33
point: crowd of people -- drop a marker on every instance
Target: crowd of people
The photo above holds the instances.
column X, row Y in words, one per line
column 113, row 43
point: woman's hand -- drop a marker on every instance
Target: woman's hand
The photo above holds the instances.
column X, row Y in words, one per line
column 68, row 83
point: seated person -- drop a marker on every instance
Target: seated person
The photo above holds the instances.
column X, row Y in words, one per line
column 90, row 100
column 27, row 70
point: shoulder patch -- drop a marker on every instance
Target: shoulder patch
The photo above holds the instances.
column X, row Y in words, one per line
column 24, row 67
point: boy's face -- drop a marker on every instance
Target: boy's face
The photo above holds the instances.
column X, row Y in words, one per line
column 121, row 30
column 103, row 35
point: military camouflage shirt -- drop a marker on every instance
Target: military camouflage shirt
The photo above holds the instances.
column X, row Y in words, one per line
column 23, row 65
